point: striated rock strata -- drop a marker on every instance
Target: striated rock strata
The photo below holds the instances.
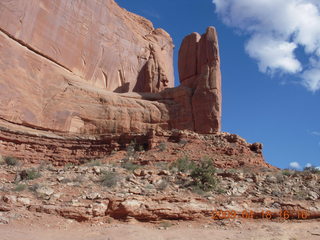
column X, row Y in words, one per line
column 95, row 40
column 80, row 79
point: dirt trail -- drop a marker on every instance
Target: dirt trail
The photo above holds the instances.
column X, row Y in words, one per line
column 54, row 228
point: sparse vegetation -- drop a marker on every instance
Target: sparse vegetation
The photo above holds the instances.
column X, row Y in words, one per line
column 11, row 161
column 162, row 165
column 183, row 164
column 109, row 179
column 93, row 163
column 221, row 191
column 312, row 169
column 20, row 187
column 197, row 190
column 32, row 174
column 162, row 185
column 34, row 187
column 162, row 147
column 129, row 165
column 203, row 175
column 183, row 142
column 68, row 166
column 141, row 148
column 287, row 172
column 280, row 177
column 131, row 149
column 232, row 170
column 2, row 160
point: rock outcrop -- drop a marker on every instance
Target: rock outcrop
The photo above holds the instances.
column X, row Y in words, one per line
column 102, row 191
column 80, row 80
column 199, row 69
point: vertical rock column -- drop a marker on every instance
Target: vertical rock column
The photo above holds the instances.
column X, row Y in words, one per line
column 199, row 69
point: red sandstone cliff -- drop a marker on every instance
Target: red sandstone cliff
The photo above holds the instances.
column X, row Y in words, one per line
column 81, row 78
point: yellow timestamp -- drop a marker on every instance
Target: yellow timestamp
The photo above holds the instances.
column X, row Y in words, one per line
column 249, row 214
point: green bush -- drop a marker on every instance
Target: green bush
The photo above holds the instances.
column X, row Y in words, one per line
column 184, row 164
column 11, row 161
column 109, row 179
column 33, row 174
column 29, row 174
column 203, row 175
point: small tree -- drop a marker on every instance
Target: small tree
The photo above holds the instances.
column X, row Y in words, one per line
column 204, row 175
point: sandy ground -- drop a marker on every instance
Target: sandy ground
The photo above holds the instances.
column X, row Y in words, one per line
column 56, row 228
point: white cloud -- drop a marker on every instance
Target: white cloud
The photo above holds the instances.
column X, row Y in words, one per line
column 295, row 165
column 308, row 165
column 273, row 54
column 276, row 28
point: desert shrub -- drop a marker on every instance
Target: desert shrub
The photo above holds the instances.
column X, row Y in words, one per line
column 32, row 174
column 162, row 185
column 287, row 172
column 196, row 189
column 11, row 161
column 162, row 165
column 183, row 164
column 183, row 142
column 162, row 147
column 141, row 148
column 34, row 187
column 232, row 171
column 203, row 175
column 94, row 163
column 133, row 147
column 129, row 165
column 20, row 187
column 312, row 169
column 45, row 165
column 109, row 179
column 2, row 160
column 221, row 191
column 68, row 166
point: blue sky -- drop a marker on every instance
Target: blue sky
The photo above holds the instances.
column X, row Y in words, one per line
column 269, row 63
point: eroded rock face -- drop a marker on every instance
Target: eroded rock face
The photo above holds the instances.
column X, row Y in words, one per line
column 199, row 69
column 95, row 40
column 88, row 77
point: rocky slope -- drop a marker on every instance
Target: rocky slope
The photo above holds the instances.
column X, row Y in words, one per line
column 119, row 188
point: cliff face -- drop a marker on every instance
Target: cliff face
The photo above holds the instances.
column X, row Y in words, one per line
column 49, row 48
column 81, row 78
column 95, row 40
